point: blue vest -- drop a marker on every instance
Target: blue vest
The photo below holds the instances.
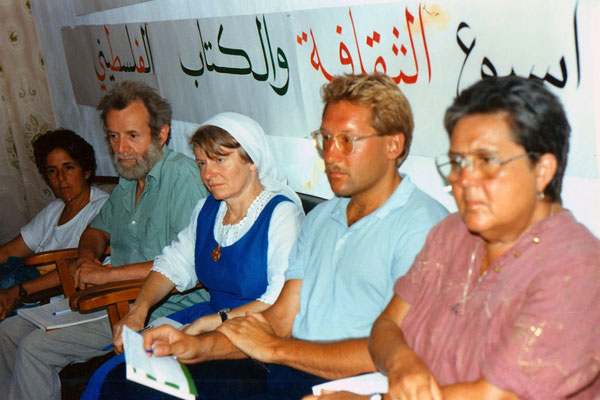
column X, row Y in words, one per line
column 239, row 276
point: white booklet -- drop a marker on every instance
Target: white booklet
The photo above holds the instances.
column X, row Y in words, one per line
column 161, row 373
column 361, row 384
column 58, row 314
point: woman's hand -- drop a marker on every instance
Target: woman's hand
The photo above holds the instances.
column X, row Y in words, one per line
column 9, row 299
column 203, row 324
column 133, row 320
column 415, row 382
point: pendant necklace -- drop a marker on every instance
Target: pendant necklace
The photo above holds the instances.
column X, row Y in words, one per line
column 215, row 255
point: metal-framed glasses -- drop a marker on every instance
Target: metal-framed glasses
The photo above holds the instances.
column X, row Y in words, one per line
column 487, row 165
column 344, row 143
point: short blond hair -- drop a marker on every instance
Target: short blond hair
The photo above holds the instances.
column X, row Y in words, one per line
column 390, row 109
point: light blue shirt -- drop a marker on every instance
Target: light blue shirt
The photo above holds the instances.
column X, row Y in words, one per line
column 348, row 273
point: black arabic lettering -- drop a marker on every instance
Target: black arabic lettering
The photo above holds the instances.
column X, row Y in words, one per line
column 466, row 49
column 232, row 52
column 261, row 77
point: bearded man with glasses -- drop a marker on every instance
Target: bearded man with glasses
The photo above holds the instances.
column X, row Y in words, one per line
column 349, row 251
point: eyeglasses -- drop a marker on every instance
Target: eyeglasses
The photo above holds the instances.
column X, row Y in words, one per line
column 344, row 143
column 451, row 165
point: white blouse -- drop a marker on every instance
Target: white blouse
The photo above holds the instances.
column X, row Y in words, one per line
column 177, row 260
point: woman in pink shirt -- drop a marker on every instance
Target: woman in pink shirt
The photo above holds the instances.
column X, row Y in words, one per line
column 503, row 300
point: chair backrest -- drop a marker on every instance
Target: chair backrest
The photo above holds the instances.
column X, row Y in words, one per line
column 105, row 183
column 59, row 258
column 309, row 201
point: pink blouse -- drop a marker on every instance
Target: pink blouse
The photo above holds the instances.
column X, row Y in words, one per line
column 530, row 325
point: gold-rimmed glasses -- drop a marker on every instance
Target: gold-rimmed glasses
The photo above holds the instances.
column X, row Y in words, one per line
column 344, row 143
column 488, row 165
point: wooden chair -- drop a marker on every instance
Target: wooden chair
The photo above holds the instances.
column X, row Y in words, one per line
column 60, row 259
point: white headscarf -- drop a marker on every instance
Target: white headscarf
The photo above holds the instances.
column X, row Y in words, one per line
column 252, row 138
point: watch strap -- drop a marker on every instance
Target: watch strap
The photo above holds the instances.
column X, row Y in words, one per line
column 224, row 314
column 22, row 291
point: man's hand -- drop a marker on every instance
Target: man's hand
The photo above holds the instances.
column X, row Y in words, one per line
column 134, row 321
column 413, row 383
column 251, row 334
column 91, row 272
column 168, row 341
column 331, row 395
column 9, row 299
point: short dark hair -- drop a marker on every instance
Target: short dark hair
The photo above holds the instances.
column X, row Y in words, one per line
column 390, row 109
column 211, row 138
column 75, row 146
column 124, row 93
column 536, row 116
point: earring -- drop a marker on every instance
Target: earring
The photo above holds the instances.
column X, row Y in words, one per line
column 540, row 196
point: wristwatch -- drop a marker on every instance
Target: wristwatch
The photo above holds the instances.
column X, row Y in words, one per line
column 376, row 396
column 22, row 291
column 224, row 314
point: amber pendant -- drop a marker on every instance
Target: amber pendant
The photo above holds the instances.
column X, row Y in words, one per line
column 216, row 253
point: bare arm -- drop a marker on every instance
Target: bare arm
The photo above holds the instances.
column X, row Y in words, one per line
column 268, row 337
column 90, row 271
column 92, row 244
column 210, row 322
column 215, row 345
column 9, row 297
column 15, row 248
column 155, row 288
column 480, row 389
column 409, row 377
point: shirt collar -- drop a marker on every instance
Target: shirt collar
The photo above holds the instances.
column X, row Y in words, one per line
column 398, row 198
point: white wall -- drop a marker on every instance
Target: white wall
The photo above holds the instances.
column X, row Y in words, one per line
column 297, row 157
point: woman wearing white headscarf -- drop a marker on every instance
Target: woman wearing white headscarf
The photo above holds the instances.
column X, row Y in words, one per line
column 239, row 238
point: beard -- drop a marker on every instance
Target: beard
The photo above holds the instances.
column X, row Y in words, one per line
column 143, row 165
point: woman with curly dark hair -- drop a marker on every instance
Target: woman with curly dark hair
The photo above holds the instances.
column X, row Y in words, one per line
column 67, row 162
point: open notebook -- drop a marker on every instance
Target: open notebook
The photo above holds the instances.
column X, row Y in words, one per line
column 57, row 314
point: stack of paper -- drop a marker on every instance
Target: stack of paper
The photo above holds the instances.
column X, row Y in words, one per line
column 57, row 315
column 361, row 384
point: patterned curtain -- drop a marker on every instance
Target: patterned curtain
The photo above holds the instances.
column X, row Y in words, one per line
column 25, row 113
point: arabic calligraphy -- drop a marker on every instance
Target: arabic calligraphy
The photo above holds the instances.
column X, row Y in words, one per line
column 110, row 62
column 270, row 68
column 488, row 69
column 373, row 40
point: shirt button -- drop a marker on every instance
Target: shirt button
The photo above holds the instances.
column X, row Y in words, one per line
column 132, row 222
column 536, row 239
